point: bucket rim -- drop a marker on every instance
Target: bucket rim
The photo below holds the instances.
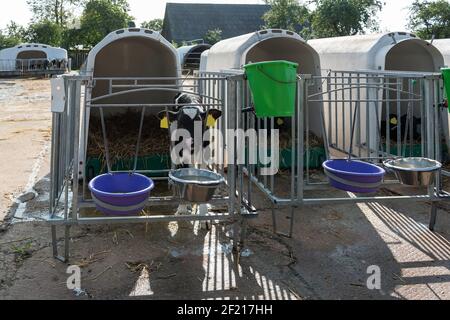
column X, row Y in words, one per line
column 121, row 195
column 254, row 64
column 381, row 172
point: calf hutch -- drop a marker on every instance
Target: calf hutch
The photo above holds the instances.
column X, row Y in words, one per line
column 393, row 53
column 135, row 97
column 266, row 45
column 190, row 56
column 33, row 59
column 120, row 132
column 124, row 66
column 444, row 47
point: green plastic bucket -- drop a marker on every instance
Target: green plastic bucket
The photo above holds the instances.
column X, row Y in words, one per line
column 274, row 86
column 446, row 76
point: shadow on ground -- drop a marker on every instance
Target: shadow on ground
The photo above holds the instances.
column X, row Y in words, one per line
column 328, row 257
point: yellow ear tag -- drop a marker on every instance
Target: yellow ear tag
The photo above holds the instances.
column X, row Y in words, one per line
column 210, row 122
column 164, row 123
column 394, row 121
column 280, row 121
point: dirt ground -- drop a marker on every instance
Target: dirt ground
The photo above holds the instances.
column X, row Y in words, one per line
column 328, row 258
column 25, row 132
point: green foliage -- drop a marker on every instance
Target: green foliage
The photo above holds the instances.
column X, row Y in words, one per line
column 13, row 35
column 333, row 18
column 213, row 36
column 46, row 32
column 56, row 11
column 101, row 17
column 155, row 25
column 288, row 15
column 430, row 18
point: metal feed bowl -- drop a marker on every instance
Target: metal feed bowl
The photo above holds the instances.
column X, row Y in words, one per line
column 414, row 171
column 196, row 185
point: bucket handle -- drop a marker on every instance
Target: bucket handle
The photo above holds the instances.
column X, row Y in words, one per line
column 273, row 79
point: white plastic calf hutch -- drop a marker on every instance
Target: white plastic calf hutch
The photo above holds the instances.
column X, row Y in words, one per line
column 190, row 56
column 32, row 57
column 130, row 60
column 266, row 45
column 444, row 47
column 397, row 52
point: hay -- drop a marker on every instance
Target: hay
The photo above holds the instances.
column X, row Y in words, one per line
column 286, row 140
column 122, row 133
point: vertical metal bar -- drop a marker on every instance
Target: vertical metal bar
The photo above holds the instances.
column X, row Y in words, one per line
column 344, row 110
column 368, row 119
column 358, row 98
column 399, row 116
column 422, row 118
column 231, row 113
column 329, row 129
column 138, row 144
column 388, row 117
column 307, row 140
column 76, row 109
column 429, row 119
column 336, row 109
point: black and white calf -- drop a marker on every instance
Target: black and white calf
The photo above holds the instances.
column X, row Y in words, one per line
column 187, row 114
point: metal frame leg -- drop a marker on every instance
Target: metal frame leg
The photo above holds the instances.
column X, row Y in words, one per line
column 291, row 223
column 433, row 216
column 65, row 258
column 274, row 220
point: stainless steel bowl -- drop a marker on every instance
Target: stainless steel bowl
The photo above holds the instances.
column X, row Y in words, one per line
column 414, row 171
column 196, row 185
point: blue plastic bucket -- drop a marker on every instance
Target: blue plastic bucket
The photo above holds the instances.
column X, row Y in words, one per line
column 121, row 194
column 354, row 176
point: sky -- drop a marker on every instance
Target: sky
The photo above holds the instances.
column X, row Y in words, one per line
column 392, row 18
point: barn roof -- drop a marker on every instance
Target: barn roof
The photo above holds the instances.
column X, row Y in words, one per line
column 191, row 21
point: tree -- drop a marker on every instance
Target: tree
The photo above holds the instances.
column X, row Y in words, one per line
column 334, row 18
column 430, row 18
column 288, row 15
column 155, row 25
column 46, row 32
column 213, row 36
column 101, row 17
column 13, row 35
column 56, row 11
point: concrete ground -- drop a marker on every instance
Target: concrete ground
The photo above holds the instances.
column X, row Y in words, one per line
column 328, row 258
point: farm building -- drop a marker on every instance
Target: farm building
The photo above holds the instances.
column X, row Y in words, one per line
column 32, row 57
column 191, row 21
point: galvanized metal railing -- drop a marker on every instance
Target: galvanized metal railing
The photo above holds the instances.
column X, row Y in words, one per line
column 69, row 191
column 33, row 66
column 330, row 106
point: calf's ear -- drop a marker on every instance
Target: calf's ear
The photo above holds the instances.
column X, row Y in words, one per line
column 211, row 117
column 166, row 117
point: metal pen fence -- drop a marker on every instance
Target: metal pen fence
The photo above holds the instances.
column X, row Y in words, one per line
column 393, row 114
column 34, row 66
column 69, row 191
